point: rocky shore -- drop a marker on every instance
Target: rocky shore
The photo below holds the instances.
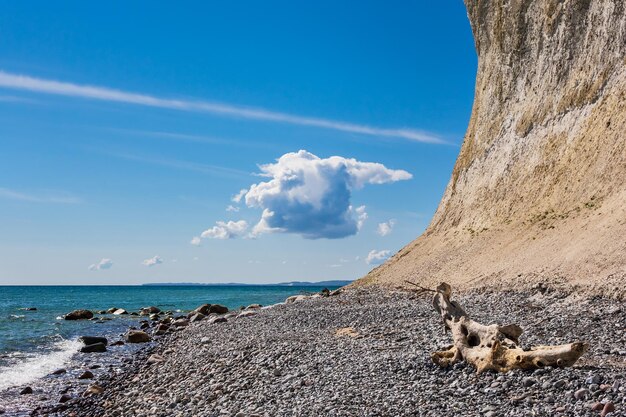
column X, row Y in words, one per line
column 366, row 352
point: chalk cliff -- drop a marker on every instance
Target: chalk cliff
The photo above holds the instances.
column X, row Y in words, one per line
column 538, row 192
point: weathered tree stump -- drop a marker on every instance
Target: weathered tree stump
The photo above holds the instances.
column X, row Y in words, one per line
column 493, row 347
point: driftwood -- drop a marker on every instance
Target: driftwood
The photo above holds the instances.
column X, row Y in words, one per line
column 492, row 347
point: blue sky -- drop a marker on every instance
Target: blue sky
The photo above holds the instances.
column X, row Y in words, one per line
column 126, row 132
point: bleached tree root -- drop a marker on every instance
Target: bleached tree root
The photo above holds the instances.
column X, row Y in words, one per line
column 493, row 347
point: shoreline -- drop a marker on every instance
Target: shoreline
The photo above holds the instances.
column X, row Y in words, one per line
column 366, row 352
column 58, row 383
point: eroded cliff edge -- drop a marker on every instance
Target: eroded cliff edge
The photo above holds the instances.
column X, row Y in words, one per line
column 538, row 192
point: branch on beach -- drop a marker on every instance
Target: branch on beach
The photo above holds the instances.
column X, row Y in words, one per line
column 493, row 347
column 420, row 290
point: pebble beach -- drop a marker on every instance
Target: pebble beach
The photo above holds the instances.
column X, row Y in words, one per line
column 365, row 352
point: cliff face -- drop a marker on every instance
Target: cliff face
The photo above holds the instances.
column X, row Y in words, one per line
column 538, row 192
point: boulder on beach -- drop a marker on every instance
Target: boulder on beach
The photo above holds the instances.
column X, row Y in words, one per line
column 120, row 311
column 79, row 315
column 181, row 323
column 197, row 317
column 253, row 306
column 247, row 313
column 86, row 375
column 146, row 311
column 207, row 309
column 218, row 320
column 65, row 398
column 161, row 329
column 59, row 371
column 204, row 309
column 93, row 390
column 26, row 390
column 90, row 340
column 296, row 298
column 111, row 310
column 218, row 309
column 137, row 336
column 155, row 358
column 94, row 348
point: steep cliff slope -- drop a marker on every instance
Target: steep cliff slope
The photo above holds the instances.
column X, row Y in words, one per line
column 538, row 192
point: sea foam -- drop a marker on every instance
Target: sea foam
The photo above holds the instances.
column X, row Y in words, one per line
column 38, row 366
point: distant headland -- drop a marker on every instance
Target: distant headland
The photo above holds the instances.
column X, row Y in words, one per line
column 335, row 283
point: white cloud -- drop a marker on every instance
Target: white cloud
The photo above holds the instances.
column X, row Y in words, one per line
column 361, row 217
column 40, row 85
column 196, row 241
column 377, row 257
column 105, row 263
column 237, row 197
column 155, row 260
column 226, row 230
column 232, row 209
column 310, row 196
column 385, row 228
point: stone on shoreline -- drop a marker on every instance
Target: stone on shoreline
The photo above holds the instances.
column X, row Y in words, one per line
column 94, row 348
column 296, row 298
column 146, row 311
column 197, row 317
column 86, row 375
column 207, row 309
column 161, row 329
column 181, row 323
column 26, row 391
column 218, row 309
column 137, row 336
column 218, row 319
column 120, row 311
column 79, row 315
column 90, row 340
column 93, row 389
column 155, row 358
column 203, row 309
column 59, row 371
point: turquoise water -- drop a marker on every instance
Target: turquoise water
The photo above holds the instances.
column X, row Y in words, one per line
column 33, row 343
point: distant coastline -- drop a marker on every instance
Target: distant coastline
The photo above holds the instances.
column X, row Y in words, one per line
column 335, row 283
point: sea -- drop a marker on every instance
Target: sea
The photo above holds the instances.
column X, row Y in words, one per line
column 35, row 340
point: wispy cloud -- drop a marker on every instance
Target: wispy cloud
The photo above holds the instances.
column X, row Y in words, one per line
column 105, row 263
column 43, row 197
column 155, row 260
column 16, row 99
column 226, row 230
column 189, row 138
column 180, row 164
column 386, row 228
column 24, row 82
column 377, row 257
